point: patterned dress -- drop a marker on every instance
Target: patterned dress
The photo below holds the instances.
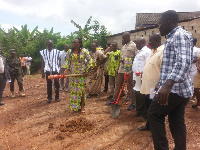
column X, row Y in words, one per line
column 97, row 77
column 77, row 64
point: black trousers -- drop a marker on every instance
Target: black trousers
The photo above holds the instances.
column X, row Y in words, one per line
column 141, row 107
column 49, row 86
column 175, row 111
column 148, row 103
column 106, row 82
column 2, row 85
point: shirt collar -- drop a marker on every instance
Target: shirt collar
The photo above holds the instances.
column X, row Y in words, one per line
column 173, row 31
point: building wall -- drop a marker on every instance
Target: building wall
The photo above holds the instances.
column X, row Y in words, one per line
column 191, row 26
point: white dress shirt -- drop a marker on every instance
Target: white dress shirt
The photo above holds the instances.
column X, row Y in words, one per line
column 140, row 60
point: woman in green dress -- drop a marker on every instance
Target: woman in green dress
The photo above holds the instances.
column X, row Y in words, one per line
column 78, row 61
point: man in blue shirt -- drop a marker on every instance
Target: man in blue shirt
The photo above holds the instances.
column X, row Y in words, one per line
column 174, row 87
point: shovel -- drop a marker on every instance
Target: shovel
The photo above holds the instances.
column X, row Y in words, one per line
column 64, row 76
column 114, row 107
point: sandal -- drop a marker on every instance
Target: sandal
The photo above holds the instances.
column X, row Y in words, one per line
column 89, row 95
column 82, row 112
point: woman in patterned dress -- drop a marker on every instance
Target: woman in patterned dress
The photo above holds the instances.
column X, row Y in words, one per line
column 96, row 80
column 78, row 61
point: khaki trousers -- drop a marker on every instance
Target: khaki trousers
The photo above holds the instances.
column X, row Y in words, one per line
column 119, row 82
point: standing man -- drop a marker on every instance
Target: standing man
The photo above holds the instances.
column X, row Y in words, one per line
column 4, row 75
column 28, row 64
column 15, row 71
column 50, row 66
column 175, row 86
column 196, row 52
column 151, row 72
column 62, row 70
column 138, row 66
column 128, row 53
column 114, row 58
column 23, row 64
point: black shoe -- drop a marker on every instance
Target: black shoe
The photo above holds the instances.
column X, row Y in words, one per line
column 105, row 90
column 127, row 99
column 194, row 106
column 131, row 107
column 57, row 100
column 109, row 97
column 49, row 100
column 2, row 103
column 109, row 102
column 89, row 95
column 98, row 96
column 122, row 95
column 143, row 128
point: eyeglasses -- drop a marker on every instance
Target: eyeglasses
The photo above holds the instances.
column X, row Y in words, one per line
column 74, row 42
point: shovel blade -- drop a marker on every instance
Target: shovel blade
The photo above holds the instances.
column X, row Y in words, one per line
column 114, row 110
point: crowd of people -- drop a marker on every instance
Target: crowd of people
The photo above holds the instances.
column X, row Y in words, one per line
column 161, row 77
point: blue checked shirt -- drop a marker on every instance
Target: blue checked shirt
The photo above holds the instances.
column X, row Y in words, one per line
column 176, row 63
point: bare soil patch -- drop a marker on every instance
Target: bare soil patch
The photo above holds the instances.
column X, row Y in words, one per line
column 30, row 123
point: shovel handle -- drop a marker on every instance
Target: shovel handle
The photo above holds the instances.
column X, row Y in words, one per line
column 64, row 76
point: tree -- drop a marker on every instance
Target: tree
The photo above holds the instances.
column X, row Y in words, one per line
column 90, row 32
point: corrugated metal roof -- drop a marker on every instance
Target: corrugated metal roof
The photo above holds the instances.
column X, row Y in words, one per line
column 143, row 19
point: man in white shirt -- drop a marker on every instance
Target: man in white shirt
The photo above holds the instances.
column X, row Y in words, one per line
column 196, row 52
column 62, row 70
column 28, row 64
column 4, row 76
column 138, row 66
column 50, row 66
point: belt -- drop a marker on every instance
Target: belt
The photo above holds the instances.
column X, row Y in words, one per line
column 1, row 73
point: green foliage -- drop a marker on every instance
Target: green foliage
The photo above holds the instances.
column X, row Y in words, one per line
column 31, row 42
column 90, row 32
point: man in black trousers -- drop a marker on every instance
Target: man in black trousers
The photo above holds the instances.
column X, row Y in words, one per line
column 50, row 66
column 174, row 87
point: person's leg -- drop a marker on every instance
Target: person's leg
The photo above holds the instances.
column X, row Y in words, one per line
column 147, row 126
column 143, row 105
column 20, row 81
column 49, row 87
column 197, row 95
column 119, row 82
column 177, row 125
column 156, row 118
column 112, row 84
column 62, row 79
column 106, row 83
column 12, row 76
column 67, row 84
column 56, row 84
column 130, row 86
column 2, row 86
column 28, row 69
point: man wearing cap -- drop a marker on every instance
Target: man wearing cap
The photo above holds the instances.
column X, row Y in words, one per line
column 15, row 71
column 4, row 76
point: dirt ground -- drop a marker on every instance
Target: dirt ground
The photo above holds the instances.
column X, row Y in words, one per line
column 30, row 123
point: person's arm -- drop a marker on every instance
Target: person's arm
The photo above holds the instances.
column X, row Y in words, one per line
column 183, row 50
column 197, row 64
column 42, row 69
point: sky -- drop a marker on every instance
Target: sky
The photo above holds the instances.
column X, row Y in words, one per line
column 117, row 15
